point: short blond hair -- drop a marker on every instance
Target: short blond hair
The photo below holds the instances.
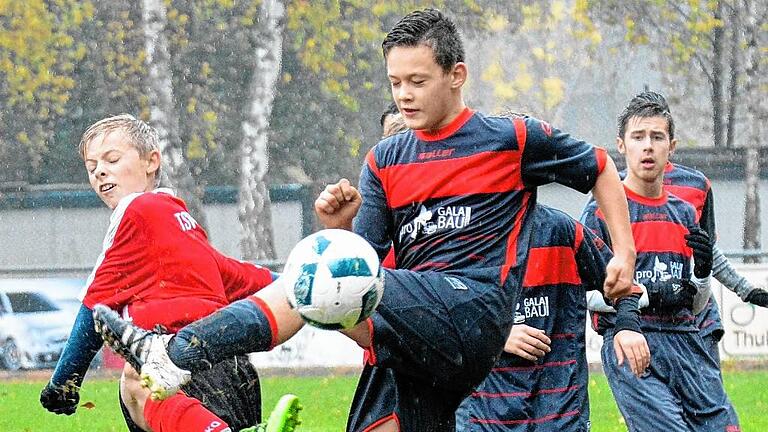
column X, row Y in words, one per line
column 142, row 136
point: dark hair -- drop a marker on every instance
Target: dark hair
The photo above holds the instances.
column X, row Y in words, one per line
column 647, row 104
column 431, row 28
column 391, row 109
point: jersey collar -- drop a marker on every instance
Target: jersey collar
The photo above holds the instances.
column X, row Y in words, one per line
column 447, row 130
column 654, row 202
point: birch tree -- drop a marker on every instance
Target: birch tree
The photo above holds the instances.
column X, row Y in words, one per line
column 163, row 115
column 254, row 203
column 755, row 90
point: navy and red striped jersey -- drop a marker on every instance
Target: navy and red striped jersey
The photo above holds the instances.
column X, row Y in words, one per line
column 458, row 199
column 565, row 261
column 659, row 226
column 693, row 186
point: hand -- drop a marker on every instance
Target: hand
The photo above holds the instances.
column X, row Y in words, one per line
column 698, row 240
column 618, row 277
column 527, row 342
column 338, row 204
column 633, row 347
column 60, row 399
column 758, row 297
column 670, row 294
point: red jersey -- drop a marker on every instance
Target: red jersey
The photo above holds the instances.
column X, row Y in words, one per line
column 158, row 267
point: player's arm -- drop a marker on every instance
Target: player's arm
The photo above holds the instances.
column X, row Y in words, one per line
column 612, row 201
column 550, row 155
column 62, row 393
column 702, row 247
column 723, row 271
column 592, row 258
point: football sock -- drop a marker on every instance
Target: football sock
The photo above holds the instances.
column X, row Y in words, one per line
column 181, row 413
column 242, row 327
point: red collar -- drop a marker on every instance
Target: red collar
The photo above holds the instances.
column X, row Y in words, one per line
column 447, row 130
column 654, row 202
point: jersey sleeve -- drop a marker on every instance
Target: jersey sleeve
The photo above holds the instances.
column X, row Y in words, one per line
column 374, row 219
column 593, row 220
column 592, row 257
column 550, row 155
column 241, row 278
column 707, row 219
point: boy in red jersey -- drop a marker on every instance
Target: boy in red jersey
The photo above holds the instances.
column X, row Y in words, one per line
column 453, row 195
column 681, row 391
column 158, row 269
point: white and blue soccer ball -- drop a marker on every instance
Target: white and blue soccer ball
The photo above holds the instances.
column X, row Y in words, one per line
column 333, row 278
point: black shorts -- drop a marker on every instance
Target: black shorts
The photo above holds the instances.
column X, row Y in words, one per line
column 230, row 390
column 443, row 329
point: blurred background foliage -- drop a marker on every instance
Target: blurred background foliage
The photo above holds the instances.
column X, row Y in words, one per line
column 65, row 64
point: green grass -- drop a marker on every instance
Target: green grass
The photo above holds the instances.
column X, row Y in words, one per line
column 326, row 402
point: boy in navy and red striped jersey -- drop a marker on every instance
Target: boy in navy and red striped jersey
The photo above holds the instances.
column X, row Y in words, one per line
column 540, row 381
column 453, row 195
column 157, row 268
column 694, row 187
column 681, row 391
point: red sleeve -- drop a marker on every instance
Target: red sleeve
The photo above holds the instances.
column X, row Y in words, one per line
column 240, row 278
column 123, row 270
column 389, row 260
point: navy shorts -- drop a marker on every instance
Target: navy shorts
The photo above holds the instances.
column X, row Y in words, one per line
column 709, row 322
column 442, row 329
column 681, row 392
column 384, row 394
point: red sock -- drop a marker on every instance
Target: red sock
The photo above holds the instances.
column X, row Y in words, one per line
column 181, row 413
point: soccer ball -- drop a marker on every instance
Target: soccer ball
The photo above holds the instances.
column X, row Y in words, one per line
column 333, row 279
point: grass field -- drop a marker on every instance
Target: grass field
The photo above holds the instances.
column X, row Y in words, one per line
column 326, row 401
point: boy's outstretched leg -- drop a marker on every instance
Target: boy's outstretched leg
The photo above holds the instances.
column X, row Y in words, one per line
column 255, row 324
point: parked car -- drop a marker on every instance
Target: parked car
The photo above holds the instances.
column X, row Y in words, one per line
column 33, row 328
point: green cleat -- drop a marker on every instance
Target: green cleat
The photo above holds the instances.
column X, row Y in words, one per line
column 284, row 418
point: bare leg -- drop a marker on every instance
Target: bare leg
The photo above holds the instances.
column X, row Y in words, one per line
column 387, row 426
column 288, row 321
column 360, row 333
column 134, row 396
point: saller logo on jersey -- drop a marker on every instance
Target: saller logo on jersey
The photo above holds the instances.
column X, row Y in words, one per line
column 439, row 219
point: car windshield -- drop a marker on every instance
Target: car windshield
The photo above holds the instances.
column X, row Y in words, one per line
column 25, row 302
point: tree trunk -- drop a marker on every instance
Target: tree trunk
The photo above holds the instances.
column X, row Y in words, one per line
column 163, row 115
column 254, row 203
column 718, row 105
column 757, row 115
column 751, row 239
column 733, row 77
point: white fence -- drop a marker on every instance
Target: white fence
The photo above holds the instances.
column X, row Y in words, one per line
column 746, row 330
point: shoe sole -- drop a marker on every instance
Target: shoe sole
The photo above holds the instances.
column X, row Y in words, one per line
column 113, row 340
column 157, row 391
column 285, row 416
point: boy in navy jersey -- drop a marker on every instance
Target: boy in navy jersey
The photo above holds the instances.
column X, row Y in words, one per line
column 157, row 268
column 693, row 186
column 453, row 195
column 681, row 391
column 540, row 381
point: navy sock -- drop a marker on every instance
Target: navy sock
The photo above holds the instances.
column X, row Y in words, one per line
column 240, row 328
